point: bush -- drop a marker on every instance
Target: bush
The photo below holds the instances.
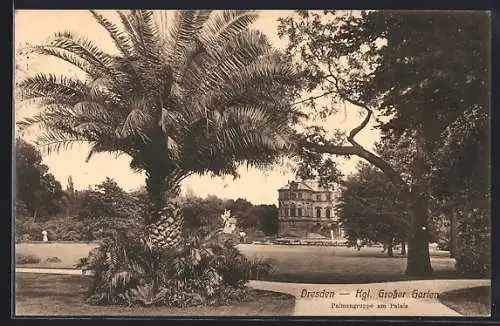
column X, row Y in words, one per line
column 71, row 229
column 26, row 259
column 128, row 272
column 260, row 268
column 473, row 246
column 444, row 244
column 53, row 260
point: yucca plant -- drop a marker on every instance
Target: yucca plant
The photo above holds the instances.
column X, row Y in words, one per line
column 204, row 97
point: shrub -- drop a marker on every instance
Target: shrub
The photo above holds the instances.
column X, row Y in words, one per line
column 71, row 229
column 53, row 260
column 473, row 246
column 26, row 259
column 260, row 268
column 128, row 272
column 444, row 244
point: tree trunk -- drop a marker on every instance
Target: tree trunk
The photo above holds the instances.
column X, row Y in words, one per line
column 164, row 219
column 390, row 253
column 403, row 248
column 453, row 232
column 419, row 263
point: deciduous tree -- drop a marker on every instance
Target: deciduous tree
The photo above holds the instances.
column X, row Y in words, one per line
column 395, row 64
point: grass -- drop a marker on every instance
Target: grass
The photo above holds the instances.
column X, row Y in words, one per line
column 68, row 253
column 26, row 259
column 63, row 295
column 341, row 265
column 301, row 264
column 469, row 302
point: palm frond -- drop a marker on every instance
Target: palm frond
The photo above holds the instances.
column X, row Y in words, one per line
column 69, row 57
column 84, row 48
column 135, row 124
column 224, row 25
column 54, row 87
column 181, row 35
column 120, row 39
column 206, row 72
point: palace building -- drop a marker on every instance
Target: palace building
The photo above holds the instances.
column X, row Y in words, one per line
column 304, row 207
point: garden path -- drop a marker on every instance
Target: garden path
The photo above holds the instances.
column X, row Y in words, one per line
column 345, row 303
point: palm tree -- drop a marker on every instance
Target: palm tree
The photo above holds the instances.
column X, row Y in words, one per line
column 209, row 96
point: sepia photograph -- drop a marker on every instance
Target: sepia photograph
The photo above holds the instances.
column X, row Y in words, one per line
column 251, row 163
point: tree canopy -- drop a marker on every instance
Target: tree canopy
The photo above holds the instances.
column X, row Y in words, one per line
column 432, row 88
column 37, row 190
column 371, row 209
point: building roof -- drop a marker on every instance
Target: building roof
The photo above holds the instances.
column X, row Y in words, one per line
column 305, row 185
column 300, row 186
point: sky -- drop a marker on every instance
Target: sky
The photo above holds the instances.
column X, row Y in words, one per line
column 34, row 26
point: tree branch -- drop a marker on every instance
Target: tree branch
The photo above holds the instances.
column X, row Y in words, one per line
column 311, row 98
column 356, row 148
column 359, row 151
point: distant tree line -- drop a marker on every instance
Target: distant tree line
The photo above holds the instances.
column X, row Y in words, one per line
column 70, row 214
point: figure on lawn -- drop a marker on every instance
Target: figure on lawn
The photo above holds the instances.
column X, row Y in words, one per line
column 45, row 238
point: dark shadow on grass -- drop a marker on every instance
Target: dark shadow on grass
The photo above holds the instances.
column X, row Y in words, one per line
column 474, row 301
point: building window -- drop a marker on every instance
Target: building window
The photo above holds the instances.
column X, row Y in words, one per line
column 299, row 195
column 318, row 197
column 299, row 212
column 293, row 195
column 285, row 195
column 328, row 212
column 292, row 211
column 318, row 212
column 328, row 196
column 286, row 212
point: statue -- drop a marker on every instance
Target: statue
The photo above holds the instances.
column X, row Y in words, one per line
column 44, row 236
column 229, row 222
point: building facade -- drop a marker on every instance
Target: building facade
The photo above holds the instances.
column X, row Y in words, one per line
column 305, row 207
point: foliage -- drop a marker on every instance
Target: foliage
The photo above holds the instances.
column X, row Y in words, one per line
column 20, row 210
column 370, row 209
column 71, row 229
column 431, row 88
column 26, row 259
column 37, row 191
column 53, row 260
column 261, row 268
column 473, row 253
column 202, row 213
column 206, row 96
column 128, row 272
column 108, row 199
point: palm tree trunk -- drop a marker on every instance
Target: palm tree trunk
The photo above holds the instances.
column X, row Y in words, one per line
column 164, row 220
column 403, row 248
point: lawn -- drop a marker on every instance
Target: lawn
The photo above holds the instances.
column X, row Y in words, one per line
column 337, row 265
column 469, row 302
column 63, row 295
column 302, row 264
column 68, row 253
